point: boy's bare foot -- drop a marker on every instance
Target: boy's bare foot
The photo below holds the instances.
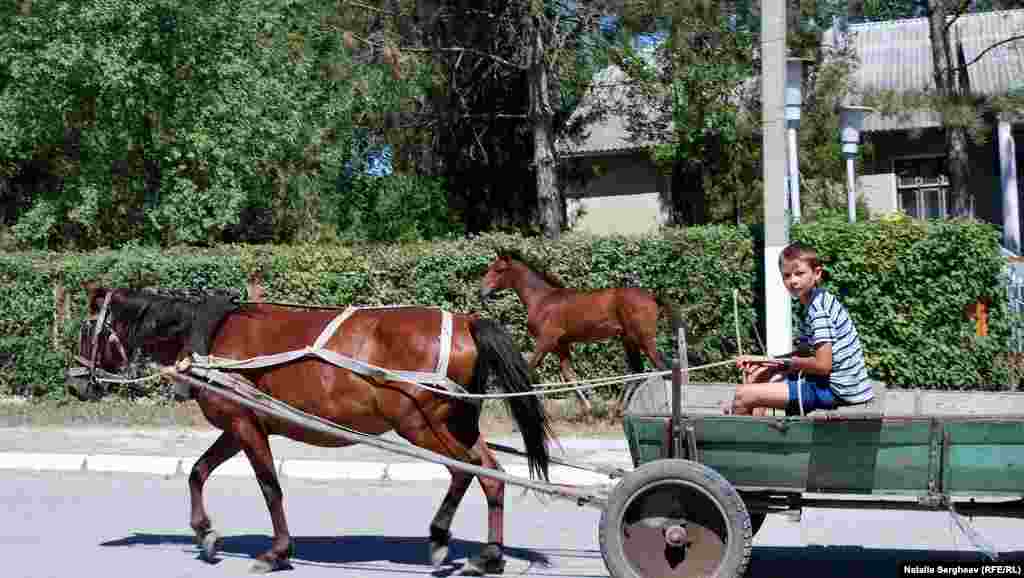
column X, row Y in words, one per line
column 726, row 407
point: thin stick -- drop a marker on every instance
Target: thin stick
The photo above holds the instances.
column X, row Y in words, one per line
column 758, row 335
column 736, row 318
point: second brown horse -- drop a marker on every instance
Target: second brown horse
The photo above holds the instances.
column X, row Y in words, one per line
column 557, row 316
column 400, row 339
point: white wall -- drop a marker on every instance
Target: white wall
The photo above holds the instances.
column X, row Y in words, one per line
column 618, row 214
column 879, row 192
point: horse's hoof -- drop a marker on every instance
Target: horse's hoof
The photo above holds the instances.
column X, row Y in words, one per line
column 208, row 546
column 261, row 566
column 439, row 540
column 438, row 554
column 481, row 566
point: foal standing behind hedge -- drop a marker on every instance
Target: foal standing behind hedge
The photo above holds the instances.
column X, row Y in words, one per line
column 557, row 316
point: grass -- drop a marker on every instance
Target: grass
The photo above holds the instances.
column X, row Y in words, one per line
column 565, row 414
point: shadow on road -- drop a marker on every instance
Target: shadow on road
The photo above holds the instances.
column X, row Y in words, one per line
column 766, row 561
column 842, row 561
column 337, row 549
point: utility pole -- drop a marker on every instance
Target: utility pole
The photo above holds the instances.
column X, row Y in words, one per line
column 778, row 316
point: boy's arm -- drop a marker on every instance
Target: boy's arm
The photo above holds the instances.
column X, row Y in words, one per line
column 819, row 364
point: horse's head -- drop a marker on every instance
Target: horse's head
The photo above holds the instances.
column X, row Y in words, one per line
column 496, row 277
column 120, row 322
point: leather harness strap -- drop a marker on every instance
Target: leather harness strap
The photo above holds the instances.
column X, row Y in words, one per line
column 203, row 363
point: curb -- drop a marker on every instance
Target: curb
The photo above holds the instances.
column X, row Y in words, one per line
column 287, row 468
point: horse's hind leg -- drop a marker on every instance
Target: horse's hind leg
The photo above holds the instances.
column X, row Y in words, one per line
column 491, row 559
column 440, row 534
column 226, row 446
column 635, row 363
column 441, row 440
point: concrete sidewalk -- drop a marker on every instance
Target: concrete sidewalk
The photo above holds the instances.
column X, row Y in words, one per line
column 172, row 452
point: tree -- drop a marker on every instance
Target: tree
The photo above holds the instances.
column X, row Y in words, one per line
column 522, row 47
column 180, row 123
column 693, row 93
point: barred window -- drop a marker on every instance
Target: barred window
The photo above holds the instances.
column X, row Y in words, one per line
column 923, row 187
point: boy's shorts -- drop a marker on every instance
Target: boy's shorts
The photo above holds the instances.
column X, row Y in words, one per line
column 816, row 395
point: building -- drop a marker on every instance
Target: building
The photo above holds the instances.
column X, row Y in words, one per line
column 907, row 172
column 620, row 190
column 623, row 190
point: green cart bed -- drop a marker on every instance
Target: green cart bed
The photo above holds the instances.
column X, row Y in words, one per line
column 705, row 481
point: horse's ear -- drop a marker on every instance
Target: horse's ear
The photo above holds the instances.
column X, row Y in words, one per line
column 94, row 293
column 90, row 288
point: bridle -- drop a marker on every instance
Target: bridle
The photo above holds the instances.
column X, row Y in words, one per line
column 99, row 323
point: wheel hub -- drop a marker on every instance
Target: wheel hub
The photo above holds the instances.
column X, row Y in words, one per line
column 675, row 535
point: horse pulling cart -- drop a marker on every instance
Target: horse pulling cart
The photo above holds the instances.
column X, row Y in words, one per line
column 702, row 484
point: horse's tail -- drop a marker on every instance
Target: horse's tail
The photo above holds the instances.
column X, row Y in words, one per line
column 498, row 355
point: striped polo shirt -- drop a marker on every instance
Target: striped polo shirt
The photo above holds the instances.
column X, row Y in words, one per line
column 827, row 321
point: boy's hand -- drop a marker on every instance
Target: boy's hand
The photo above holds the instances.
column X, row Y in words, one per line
column 754, row 361
column 749, row 364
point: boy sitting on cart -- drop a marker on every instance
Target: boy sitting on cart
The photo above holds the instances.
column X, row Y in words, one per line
column 833, row 374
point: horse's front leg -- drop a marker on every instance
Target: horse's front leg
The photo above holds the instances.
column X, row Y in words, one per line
column 226, row 446
column 257, row 448
column 568, row 375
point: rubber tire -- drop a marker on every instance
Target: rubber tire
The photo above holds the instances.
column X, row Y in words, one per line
column 737, row 547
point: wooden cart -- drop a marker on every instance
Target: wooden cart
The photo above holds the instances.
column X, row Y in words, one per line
column 704, row 481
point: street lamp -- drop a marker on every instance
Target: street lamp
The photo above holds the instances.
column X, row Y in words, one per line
column 794, row 81
column 851, row 121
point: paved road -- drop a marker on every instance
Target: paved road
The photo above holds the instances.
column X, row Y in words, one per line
column 61, row 524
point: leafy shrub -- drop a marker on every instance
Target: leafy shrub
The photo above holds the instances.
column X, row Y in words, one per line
column 905, row 283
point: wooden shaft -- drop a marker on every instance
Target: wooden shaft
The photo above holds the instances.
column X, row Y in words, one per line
column 283, row 411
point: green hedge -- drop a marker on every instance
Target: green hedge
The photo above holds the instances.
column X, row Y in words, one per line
column 906, row 284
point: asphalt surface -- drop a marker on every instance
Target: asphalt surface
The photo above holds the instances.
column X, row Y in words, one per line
column 172, row 451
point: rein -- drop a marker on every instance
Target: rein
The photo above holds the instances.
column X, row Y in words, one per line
column 206, row 365
column 96, row 330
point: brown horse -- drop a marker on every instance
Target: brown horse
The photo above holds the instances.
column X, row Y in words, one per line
column 557, row 316
column 400, row 338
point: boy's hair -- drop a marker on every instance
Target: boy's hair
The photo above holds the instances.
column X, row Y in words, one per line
column 797, row 250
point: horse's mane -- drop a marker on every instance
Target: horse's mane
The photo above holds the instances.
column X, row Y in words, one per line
column 530, row 264
column 191, row 317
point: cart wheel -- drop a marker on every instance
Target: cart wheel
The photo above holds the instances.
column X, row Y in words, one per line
column 675, row 518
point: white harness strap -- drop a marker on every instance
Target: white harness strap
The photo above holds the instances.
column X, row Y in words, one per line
column 332, row 328
column 445, row 351
column 438, row 377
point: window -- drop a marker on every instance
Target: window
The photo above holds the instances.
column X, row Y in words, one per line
column 923, row 188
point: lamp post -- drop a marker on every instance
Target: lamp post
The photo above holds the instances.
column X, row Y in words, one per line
column 851, row 121
column 794, row 81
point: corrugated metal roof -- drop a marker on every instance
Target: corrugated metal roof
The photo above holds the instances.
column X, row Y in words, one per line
column 894, row 55
column 897, row 56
